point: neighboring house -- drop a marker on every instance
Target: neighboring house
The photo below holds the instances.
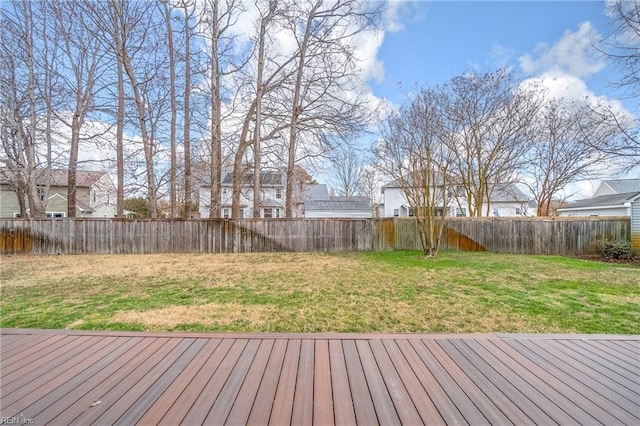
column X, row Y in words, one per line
column 614, row 197
column 617, row 186
column 319, row 204
column 356, row 207
column 95, row 195
column 604, row 205
column 272, row 194
column 506, row 200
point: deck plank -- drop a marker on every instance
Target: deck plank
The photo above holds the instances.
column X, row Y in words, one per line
column 600, row 396
column 323, row 396
column 302, row 413
column 453, row 390
column 382, row 402
column 530, row 387
column 265, row 395
column 224, row 402
column 343, row 412
column 445, row 406
column 622, row 365
column 363, row 404
column 471, row 366
column 560, row 389
column 591, row 378
column 202, row 405
column 422, row 402
column 84, row 377
column 285, row 391
column 239, row 415
column 626, row 350
column 67, row 397
column 187, row 398
column 40, row 383
column 598, row 365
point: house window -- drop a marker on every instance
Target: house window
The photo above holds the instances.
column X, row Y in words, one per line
column 95, row 197
column 396, row 212
column 16, row 215
column 41, row 193
column 224, row 192
column 225, row 213
column 518, row 211
column 241, row 214
column 412, row 213
column 461, row 212
column 439, row 212
column 278, row 193
column 55, row 214
column 268, row 213
column 277, row 213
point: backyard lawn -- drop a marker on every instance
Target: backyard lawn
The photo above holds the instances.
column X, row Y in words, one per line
column 316, row 292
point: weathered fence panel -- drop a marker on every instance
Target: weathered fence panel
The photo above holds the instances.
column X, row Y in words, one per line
column 566, row 236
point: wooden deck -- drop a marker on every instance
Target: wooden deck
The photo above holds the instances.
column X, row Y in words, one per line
column 67, row 377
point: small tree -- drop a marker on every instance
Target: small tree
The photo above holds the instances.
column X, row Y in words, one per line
column 412, row 153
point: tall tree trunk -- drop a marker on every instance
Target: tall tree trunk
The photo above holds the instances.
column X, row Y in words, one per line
column 187, row 116
column 260, row 89
column 36, row 206
column 216, row 142
column 119, row 141
column 296, row 111
column 174, row 110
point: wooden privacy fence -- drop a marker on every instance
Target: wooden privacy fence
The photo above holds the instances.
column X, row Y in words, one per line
column 516, row 235
column 563, row 236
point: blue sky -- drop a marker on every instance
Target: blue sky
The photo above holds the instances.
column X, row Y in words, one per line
column 438, row 40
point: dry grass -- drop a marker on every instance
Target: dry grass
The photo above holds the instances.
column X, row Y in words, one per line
column 314, row 292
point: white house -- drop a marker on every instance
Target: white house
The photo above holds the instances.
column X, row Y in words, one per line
column 612, row 198
column 272, row 192
column 506, row 200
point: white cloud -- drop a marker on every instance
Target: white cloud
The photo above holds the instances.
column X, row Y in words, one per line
column 573, row 54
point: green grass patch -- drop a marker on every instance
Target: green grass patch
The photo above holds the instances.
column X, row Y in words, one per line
column 313, row 292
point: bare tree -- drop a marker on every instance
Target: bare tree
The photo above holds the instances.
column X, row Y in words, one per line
column 371, row 184
column 489, row 130
column 346, row 171
column 564, row 150
column 412, row 153
column 140, row 62
column 622, row 47
column 21, row 99
column 326, row 97
column 79, row 68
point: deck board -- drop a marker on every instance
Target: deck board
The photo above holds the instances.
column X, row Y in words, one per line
column 71, row 377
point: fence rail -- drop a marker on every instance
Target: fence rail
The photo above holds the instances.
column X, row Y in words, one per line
column 522, row 235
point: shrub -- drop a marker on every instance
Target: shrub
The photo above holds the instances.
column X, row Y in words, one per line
column 616, row 250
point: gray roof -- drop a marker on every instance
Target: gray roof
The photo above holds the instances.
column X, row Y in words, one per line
column 508, row 193
column 622, row 186
column 59, row 177
column 603, row 201
column 266, row 179
column 339, row 203
column 316, row 192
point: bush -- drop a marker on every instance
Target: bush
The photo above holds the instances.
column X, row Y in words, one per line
column 616, row 250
